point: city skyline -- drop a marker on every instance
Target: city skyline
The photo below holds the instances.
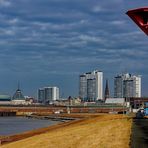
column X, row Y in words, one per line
column 93, row 84
column 50, row 43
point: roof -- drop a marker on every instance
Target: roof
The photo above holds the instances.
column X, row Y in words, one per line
column 5, row 98
column 115, row 100
column 18, row 95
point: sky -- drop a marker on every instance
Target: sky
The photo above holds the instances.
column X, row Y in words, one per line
column 52, row 42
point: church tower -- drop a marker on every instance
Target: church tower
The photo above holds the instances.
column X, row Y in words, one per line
column 106, row 90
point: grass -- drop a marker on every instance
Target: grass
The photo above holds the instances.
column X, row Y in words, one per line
column 103, row 131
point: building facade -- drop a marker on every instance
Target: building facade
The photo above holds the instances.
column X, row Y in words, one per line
column 118, row 87
column 91, row 86
column 18, row 95
column 41, row 95
column 127, row 85
column 48, row 94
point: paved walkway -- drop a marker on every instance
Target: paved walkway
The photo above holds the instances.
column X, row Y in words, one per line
column 139, row 138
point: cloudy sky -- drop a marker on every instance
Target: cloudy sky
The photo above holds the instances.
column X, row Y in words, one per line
column 51, row 42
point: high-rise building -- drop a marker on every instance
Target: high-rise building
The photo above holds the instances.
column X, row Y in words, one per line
column 41, row 95
column 137, row 86
column 91, row 89
column 48, row 94
column 118, row 87
column 91, row 86
column 126, row 85
column 83, row 86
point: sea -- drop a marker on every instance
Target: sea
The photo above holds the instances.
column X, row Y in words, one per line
column 15, row 125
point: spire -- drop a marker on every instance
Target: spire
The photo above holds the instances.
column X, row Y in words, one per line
column 18, row 87
column 106, row 90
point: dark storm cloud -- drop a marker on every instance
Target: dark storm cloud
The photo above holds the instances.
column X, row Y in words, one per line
column 43, row 39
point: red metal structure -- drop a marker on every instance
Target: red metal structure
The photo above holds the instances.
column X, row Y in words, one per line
column 140, row 17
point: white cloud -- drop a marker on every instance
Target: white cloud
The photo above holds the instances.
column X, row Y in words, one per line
column 9, row 32
column 5, row 3
column 14, row 21
column 88, row 38
column 97, row 9
column 118, row 22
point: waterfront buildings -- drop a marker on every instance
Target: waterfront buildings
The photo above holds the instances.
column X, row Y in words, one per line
column 118, row 101
column 5, row 99
column 91, row 86
column 48, row 94
column 41, row 97
column 18, row 97
column 127, row 85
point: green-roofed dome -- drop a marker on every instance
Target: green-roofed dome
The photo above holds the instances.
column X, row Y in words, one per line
column 5, row 98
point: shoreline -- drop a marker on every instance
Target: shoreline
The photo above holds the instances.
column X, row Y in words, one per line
column 30, row 133
column 106, row 130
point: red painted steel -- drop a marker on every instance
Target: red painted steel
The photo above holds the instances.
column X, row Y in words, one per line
column 140, row 17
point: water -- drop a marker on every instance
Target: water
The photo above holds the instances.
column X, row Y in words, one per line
column 14, row 125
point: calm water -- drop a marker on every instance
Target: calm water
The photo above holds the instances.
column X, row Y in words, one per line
column 14, row 125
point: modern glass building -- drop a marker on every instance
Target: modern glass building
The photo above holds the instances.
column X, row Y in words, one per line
column 128, row 88
column 118, row 87
column 91, row 89
column 127, row 85
column 91, row 86
column 48, row 94
column 41, row 95
column 83, row 87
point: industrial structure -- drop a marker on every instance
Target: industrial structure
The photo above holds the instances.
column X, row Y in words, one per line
column 91, row 86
